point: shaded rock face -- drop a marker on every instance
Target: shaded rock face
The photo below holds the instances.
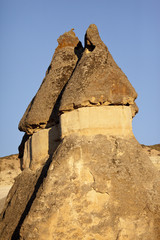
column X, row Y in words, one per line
column 17, row 203
column 85, row 176
column 41, row 112
column 39, row 147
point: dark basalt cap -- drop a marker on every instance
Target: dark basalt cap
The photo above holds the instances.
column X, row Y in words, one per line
column 41, row 111
column 97, row 80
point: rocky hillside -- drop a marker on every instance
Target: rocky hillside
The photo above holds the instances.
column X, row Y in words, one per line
column 9, row 170
column 153, row 153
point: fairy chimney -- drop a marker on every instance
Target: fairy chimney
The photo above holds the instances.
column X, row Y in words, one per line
column 86, row 95
column 85, row 175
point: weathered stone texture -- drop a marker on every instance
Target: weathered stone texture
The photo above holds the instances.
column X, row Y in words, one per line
column 17, row 203
column 41, row 112
column 97, row 188
column 89, row 177
column 97, row 80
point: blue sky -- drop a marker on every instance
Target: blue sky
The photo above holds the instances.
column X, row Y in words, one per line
column 29, row 30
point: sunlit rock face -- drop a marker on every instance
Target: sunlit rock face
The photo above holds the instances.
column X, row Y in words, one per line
column 88, row 121
column 96, row 187
column 109, row 121
column 85, row 175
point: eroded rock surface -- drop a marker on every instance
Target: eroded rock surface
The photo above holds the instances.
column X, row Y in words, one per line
column 90, row 179
column 17, row 204
column 97, row 80
column 41, row 112
column 96, row 187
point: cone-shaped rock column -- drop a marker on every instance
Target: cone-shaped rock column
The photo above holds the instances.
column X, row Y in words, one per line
column 97, row 183
column 41, row 112
column 97, row 79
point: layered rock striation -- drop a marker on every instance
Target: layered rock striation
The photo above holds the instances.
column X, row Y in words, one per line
column 85, row 175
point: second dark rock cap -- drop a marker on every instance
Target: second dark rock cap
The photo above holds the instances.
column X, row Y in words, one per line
column 41, row 112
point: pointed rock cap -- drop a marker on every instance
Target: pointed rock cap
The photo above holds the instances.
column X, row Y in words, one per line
column 97, row 80
column 41, row 112
column 92, row 36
